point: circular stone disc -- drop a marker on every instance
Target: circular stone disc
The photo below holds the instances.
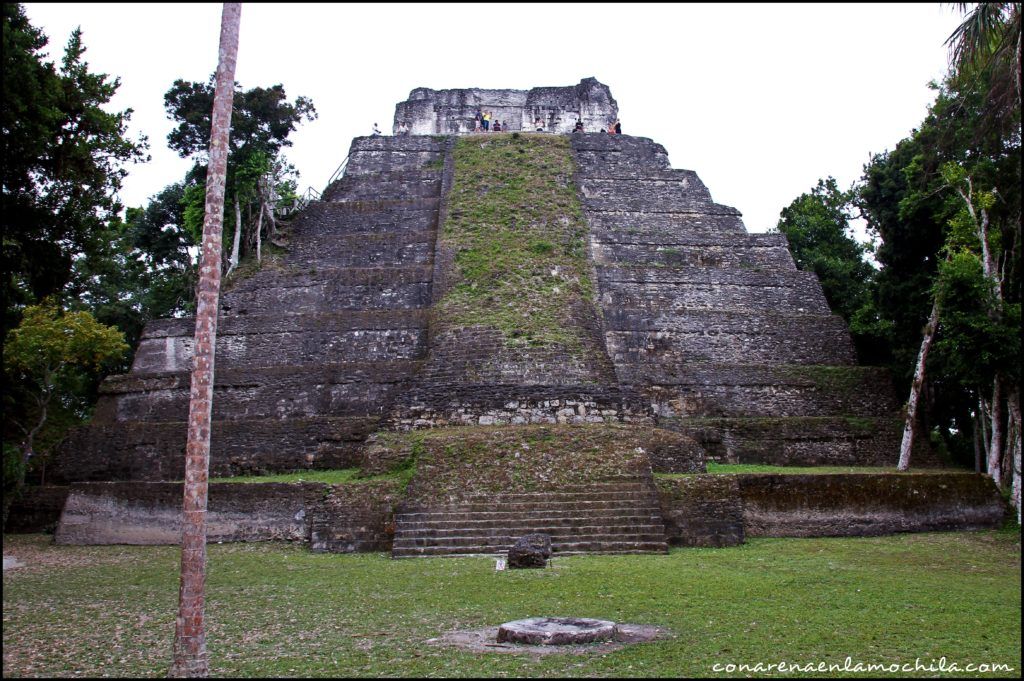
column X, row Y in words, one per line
column 556, row 631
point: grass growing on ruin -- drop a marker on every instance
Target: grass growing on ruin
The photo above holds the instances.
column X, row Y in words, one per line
column 452, row 463
column 518, row 235
column 333, row 477
column 275, row 609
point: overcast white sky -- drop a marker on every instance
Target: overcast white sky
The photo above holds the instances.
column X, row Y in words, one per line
column 761, row 100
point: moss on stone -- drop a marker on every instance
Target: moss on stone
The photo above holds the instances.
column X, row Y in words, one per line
column 457, row 462
column 516, row 231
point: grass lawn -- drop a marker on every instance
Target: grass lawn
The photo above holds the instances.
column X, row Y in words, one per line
column 276, row 609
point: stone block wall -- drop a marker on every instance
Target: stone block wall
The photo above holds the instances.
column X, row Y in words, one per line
column 353, row 518
column 721, row 510
column 701, row 510
column 715, row 327
column 150, row 513
column 152, row 451
column 867, row 504
column 311, row 348
column 36, row 509
column 335, row 518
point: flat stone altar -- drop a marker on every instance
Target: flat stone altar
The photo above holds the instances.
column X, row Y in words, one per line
column 556, row 631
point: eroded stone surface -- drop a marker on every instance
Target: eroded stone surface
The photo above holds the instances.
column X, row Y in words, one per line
column 556, row 631
column 485, row 641
column 530, row 551
column 452, row 112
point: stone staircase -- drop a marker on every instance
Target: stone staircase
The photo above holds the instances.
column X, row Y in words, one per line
column 727, row 341
column 310, row 347
column 609, row 517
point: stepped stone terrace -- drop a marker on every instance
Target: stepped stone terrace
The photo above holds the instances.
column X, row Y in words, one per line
column 560, row 349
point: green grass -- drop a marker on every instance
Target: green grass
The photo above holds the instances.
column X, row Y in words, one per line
column 278, row 610
column 333, row 477
column 516, row 228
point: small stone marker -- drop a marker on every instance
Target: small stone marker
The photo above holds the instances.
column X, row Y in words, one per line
column 556, row 631
column 530, row 551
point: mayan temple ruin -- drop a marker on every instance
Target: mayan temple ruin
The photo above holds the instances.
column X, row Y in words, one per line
column 505, row 333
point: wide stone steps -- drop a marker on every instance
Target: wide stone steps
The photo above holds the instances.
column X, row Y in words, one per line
column 387, row 249
column 555, row 527
column 341, row 217
column 613, row 517
column 386, row 185
column 642, row 509
column 288, row 391
column 585, row 546
column 673, row 250
column 479, row 522
column 629, row 226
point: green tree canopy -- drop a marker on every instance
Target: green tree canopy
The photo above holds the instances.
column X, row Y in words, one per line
column 46, row 359
column 64, row 158
column 817, row 226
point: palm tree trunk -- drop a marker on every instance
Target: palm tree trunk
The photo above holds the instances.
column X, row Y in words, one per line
column 190, row 658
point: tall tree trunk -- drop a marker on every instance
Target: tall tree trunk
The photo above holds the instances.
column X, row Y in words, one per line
column 977, row 444
column 1013, row 404
column 233, row 260
column 995, row 448
column 915, row 388
column 190, row 658
column 982, row 416
column 259, row 229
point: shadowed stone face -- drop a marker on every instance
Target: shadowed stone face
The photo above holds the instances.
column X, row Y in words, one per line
column 453, row 112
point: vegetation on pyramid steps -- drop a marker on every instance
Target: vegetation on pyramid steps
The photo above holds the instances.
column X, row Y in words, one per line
column 516, row 228
column 451, row 462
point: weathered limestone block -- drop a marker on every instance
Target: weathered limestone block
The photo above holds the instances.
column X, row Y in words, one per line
column 655, row 291
column 717, row 336
column 247, row 341
column 530, row 551
column 140, row 450
column 603, row 155
column 273, row 392
column 666, row 191
column 452, row 112
column 682, row 252
column 669, row 452
column 799, row 440
column 489, row 404
column 867, row 504
column 701, row 510
column 385, row 186
column 762, row 391
column 352, row 517
column 385, row 154
column 319, row 291
column 36, row 509
column 149, row 513
column 358, row 217
column 711, row 225
column 363, row 250
column 478, row 354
